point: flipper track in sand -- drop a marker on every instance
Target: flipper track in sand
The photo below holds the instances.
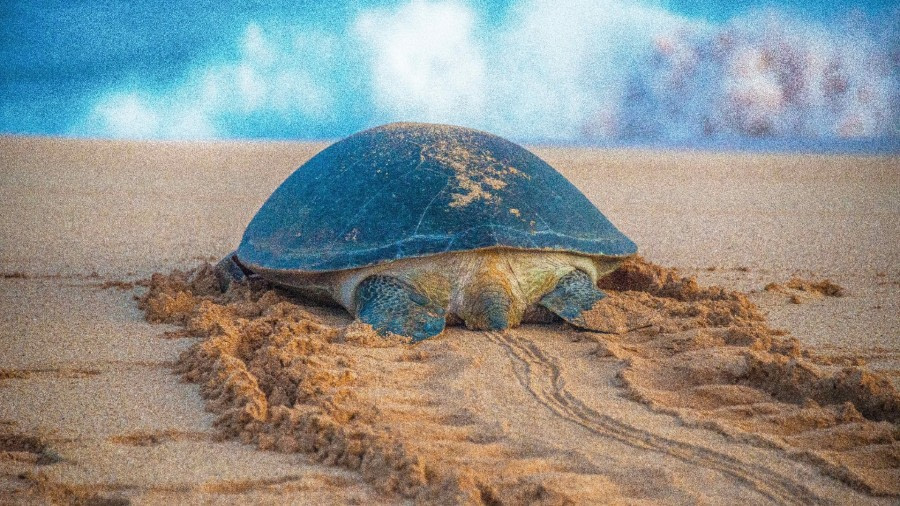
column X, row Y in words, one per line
column 541, row 377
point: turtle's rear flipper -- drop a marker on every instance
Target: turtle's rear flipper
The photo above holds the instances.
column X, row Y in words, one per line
column 390, row 305
column 229, row 270
column 574, row 294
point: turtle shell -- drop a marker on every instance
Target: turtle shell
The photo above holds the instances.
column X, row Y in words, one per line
column 409, row 190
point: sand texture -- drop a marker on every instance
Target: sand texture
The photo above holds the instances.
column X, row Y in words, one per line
column 751, row 354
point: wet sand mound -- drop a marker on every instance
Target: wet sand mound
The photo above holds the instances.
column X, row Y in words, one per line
column 802, row 290
column 281, row 379
column 710, row 359
column 440, row 421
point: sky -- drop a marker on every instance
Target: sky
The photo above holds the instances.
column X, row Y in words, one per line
column 583, row 72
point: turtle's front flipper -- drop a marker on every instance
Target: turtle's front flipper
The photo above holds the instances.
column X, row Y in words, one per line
column 229, row 270
column 391, row 305
column 574, row 294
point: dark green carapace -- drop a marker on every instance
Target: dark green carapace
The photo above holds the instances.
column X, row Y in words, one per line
column 409, row 190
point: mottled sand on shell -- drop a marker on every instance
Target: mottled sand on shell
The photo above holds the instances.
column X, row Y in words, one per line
column 700, row 394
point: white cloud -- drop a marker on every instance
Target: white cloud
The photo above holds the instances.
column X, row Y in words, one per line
column 269, row 79
column 560, row 72
column 589, row 70
column 190, row 124
column 256, row 48
column 425, row 62
column 124, row 116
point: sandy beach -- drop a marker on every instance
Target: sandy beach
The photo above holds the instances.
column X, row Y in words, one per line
column 776, row 387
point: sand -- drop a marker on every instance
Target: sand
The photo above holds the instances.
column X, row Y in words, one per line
column 771, row 377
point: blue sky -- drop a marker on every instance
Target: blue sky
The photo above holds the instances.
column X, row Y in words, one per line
column 591, row 72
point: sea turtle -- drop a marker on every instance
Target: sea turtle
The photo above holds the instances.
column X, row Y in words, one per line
column 407, row 224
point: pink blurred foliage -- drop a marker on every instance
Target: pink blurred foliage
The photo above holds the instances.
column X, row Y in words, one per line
column 768, row 75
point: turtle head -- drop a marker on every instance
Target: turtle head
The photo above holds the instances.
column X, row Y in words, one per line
column 489, row 309
column 489, row 302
